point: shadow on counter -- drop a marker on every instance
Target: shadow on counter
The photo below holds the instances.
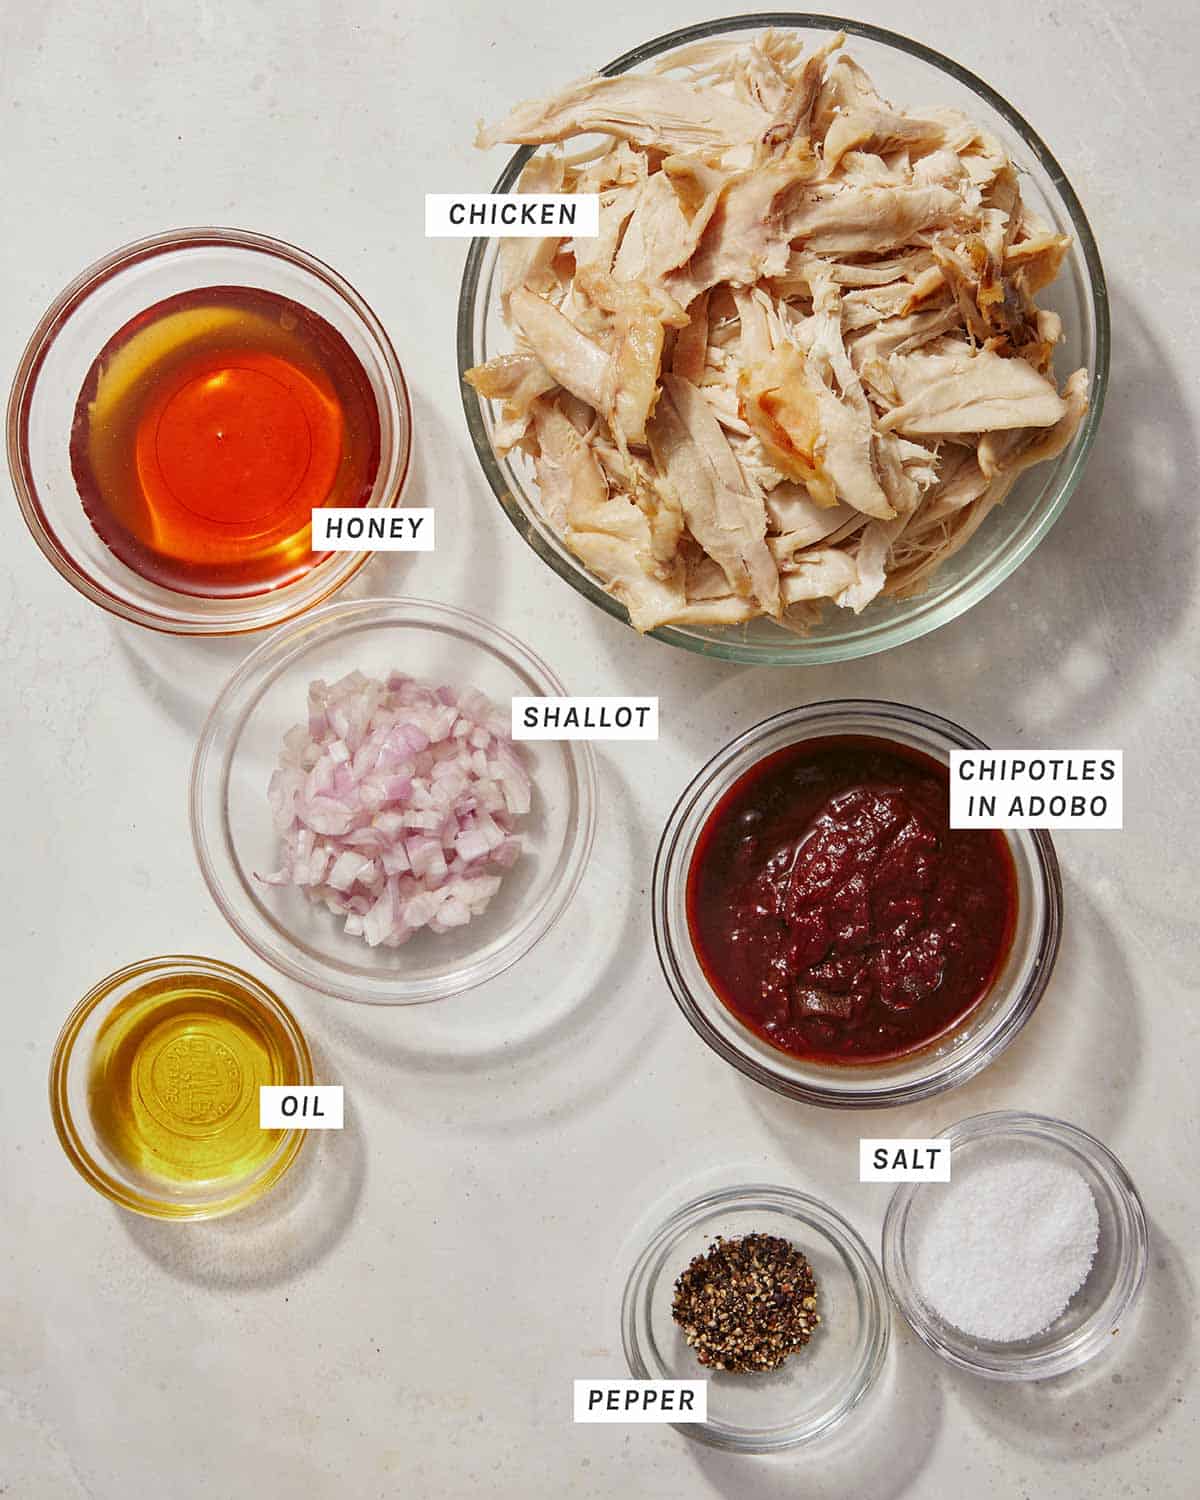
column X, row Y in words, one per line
column 878, row 1453
column 482, row 1059
column 438, row 477
column 1127, row 545
column 287, row 1232
column 1113, row 1401
column 182, row 675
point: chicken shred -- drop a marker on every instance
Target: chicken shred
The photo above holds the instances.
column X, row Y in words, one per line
column 802, row 360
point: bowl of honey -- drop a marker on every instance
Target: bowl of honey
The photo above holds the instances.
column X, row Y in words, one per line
column 179, row 413
column 154, row 1087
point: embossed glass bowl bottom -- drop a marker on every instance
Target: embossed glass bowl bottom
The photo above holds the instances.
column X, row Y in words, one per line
column 818, row 1386
column 135, row 1185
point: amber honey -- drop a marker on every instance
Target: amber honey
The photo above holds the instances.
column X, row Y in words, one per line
column 174, row 1077
column 208, row 429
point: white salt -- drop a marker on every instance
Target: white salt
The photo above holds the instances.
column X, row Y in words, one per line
column 1001, row 1249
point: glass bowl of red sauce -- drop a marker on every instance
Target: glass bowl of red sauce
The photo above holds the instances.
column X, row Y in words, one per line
column 824, row 929
column 180, row 411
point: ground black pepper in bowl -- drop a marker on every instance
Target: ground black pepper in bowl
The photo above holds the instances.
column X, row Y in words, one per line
column 746, row 1303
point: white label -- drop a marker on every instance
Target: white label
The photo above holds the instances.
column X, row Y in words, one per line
column 641, row 1400
column 585, row 718
column 286, row 1107
column 521, row 216
column 367, row 529
column 903, row 1161
column 1036, row 789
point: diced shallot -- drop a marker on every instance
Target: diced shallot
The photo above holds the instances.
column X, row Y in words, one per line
column 396, row 802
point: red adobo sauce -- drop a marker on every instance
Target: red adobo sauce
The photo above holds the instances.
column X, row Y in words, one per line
column 834, row 909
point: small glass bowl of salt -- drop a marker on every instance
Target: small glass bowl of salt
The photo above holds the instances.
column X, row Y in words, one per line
column 1026, row 1264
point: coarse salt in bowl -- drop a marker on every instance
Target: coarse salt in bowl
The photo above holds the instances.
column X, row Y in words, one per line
column 1096, row 1312
column 237, row 841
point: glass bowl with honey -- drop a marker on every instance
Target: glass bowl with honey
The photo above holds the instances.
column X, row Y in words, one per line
column 181, row 410
column 154, row 1087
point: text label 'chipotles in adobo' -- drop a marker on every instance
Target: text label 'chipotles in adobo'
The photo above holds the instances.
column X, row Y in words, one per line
column 836, row 912
column 1037, row 789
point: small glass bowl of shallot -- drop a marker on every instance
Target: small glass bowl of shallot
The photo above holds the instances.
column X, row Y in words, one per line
column 381, row 839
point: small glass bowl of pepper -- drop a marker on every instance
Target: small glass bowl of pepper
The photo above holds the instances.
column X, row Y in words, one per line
column 825, row 931
column 819, row 1383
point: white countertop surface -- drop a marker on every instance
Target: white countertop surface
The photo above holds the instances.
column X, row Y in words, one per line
column 406, row 1316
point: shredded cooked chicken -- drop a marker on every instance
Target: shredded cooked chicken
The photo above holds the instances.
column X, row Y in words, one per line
column 802, row 359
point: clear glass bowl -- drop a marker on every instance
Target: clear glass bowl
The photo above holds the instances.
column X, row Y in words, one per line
column 1094, row 1314
column 235, row 838
column 945, row 1063
column 59, row 355
column 913, row 75
column 141, row 1190
column 819, row 1385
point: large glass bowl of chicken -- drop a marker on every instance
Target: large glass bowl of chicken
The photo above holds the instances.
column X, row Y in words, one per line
column 832, row 366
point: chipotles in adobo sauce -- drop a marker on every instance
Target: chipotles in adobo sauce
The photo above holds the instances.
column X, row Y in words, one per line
column 834, row 909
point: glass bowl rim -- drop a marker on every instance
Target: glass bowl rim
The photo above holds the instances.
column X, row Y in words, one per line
column 261, row 610
column 871, row 1095
column 86, row 1164
column 246, row 687
column 1094, row 1336
column 865, row 1272
column 796, row 652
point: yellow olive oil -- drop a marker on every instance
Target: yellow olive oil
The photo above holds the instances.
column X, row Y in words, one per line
column 174, row 1080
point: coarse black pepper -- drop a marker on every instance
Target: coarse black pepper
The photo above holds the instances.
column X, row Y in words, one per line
column 747, row 1303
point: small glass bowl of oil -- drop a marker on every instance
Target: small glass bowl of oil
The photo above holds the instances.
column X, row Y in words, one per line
column 154, row 1087
column 180, row 411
